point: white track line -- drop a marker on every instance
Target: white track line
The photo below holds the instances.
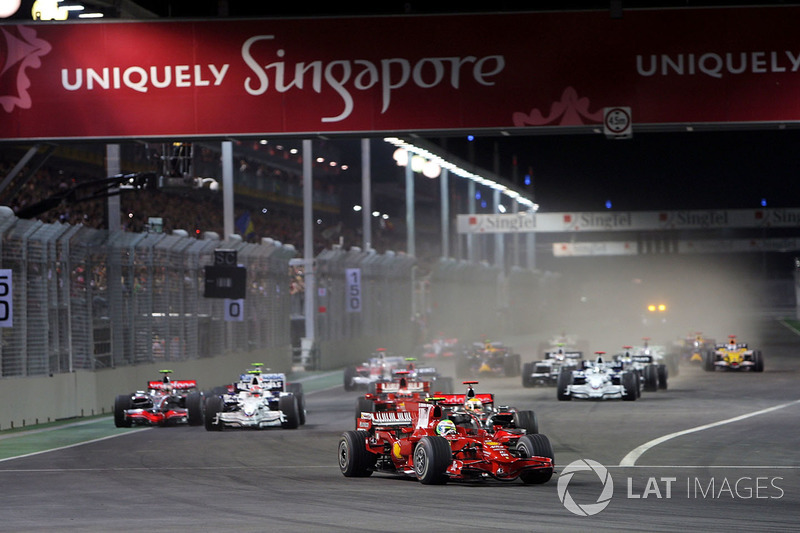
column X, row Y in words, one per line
column 73, row 445
column 636, row 453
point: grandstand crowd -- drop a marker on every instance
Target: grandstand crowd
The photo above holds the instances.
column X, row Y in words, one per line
column 197, row 211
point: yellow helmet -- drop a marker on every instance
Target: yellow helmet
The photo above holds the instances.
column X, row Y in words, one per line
column 474, row 404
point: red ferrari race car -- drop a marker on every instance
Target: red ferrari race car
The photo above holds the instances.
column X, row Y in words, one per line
column 165, row 402
column 392, row 395
column 480, row 409
column 422, row 441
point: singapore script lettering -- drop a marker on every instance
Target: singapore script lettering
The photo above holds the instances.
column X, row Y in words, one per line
column 343, row 76
column 717, row 65
column 391, row 74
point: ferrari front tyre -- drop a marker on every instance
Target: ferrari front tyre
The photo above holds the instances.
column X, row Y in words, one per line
column 662, row 376
column 121, row 404
column 194, row 408
column 291, row 411
column 527, row 370
column 432, row 456
column 349, row 378
column 630, row 385
column 537, row 445
column 562, row 384
column 354, row 458
column 214, row 406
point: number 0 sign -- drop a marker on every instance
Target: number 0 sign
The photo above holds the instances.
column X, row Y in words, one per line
column 353, row 284
column 6, row 308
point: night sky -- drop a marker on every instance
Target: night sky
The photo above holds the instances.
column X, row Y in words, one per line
column 651, row 171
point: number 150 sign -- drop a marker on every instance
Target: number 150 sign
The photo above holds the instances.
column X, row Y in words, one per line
column 353, row 284
column 6, row 308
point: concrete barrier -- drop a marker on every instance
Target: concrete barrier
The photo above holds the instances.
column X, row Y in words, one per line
column 36, row 400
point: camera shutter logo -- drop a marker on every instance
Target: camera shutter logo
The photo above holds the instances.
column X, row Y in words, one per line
column 588, row 509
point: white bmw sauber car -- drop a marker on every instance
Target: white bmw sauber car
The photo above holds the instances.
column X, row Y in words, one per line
column 256, row 401
column 597, row 380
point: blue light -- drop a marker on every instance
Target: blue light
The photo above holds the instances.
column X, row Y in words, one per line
column 527, row 179
column 483, row 204
column 470, row 138
column 763, row 202
column 477, row 195
column 608, row 204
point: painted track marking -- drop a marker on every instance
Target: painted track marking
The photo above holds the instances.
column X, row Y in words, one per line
column 636, row 453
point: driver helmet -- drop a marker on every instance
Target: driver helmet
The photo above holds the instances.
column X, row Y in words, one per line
column 474, row 404
column 446, row 427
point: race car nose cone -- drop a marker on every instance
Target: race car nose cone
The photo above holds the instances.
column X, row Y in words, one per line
column 595, row 382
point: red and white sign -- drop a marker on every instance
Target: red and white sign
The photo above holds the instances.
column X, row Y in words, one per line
column 213, row 78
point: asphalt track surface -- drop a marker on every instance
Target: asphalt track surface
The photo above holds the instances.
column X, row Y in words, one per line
column 727, row 460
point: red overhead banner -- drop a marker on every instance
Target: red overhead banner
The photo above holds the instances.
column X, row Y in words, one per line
column 213, row 78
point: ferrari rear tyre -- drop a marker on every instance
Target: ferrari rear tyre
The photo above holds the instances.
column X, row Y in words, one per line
column 121, row 404
column 194, row 408
column 290, row 409
column 214, row 405
column 364, row 405
column 432, row 456
column 537, row 445
column 526, row 420
column 564, row 381
column 354, row 458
